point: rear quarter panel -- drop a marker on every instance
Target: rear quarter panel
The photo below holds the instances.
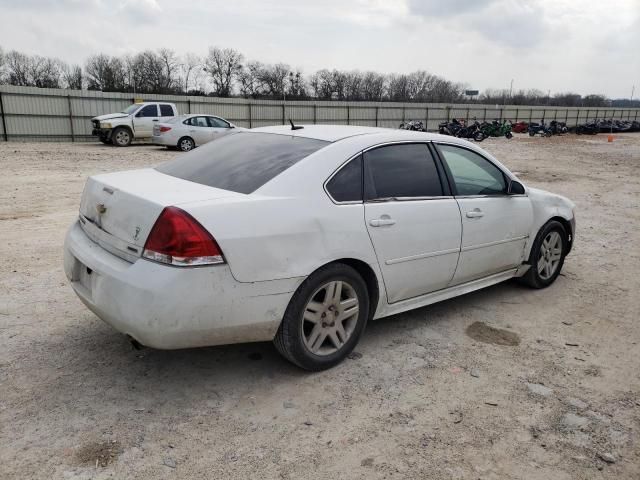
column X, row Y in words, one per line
column 267, row 238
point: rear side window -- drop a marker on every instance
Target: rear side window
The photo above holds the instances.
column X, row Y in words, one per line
column 346, row 185
column 403, row 171
column 242, row 162
column 166, row 110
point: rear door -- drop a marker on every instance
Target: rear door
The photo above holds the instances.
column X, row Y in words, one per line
column 412, row 220
column 495, row 225
column 166, row 112
column 144, row 120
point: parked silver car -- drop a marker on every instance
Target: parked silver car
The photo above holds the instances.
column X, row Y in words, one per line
column 187, row 132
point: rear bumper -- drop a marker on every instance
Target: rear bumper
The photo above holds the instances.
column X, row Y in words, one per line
column 164, row 140
column 168, row 307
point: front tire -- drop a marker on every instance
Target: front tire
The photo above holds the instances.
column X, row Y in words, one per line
column 121, row 137
column 324, row 319
column 547, row 255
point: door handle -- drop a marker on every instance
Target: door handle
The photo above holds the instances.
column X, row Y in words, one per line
column 475, row 213
column 155, row 120
column 384, row 220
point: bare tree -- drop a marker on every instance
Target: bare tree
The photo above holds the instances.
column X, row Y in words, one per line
column 3, row 61
column 170, row 64
column 72, row 77
column 373, row 86
column 190, row 70
column 18, row 65
column 223, row 66
column 249, row 80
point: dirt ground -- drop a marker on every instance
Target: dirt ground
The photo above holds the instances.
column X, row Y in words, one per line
column 556, row 396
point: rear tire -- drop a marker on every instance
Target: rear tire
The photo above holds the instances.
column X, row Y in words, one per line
column 547, row 255
column 478, row 136
column 324, row 319
column 509, row 135
column 531, row 133
column 186, row 144
column 121, row 137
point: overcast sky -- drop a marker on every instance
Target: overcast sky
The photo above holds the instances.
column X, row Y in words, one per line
column 587, row 46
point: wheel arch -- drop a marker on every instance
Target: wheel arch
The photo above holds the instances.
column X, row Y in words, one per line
column 568, row 228
column 368, row 275
column 124, row 127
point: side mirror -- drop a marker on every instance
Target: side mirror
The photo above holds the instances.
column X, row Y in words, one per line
column 515, row 188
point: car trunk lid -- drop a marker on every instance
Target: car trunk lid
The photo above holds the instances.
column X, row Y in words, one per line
column 118, row 210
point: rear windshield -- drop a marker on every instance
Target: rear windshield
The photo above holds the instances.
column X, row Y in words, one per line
column 243, row 161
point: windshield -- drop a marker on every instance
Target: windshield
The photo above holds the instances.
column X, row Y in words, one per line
column 242, row 162
column 131, row 108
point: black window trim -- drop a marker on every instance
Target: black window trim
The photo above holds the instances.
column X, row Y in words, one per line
column 452, row 183
column 434, row 154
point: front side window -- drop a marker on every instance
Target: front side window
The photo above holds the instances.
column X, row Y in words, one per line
column 166, row 110
column 242, row 162
column 217, row 123
column 131, row 108
column 472, row 173
column 346, row 185
column 148, row 111
column 400, row 171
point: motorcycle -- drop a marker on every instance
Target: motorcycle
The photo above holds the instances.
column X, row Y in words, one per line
column 497, row 129
column 458, row 128
column 558, row 128
column 415, row 125
column 450, row 128
column 539, row 129
column 520, row 127
column 588, row 128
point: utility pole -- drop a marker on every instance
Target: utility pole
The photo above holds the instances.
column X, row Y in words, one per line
column 511, row 90
column 633, row 89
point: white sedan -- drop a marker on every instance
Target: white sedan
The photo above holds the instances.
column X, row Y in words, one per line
column 187, row 132
column 302, row 236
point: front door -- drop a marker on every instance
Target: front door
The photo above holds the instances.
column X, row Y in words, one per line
column 495, row 225
column 144, row 121
column 413, row 224
column 219, row 127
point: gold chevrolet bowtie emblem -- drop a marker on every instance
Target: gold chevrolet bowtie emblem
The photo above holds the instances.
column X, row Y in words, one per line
column 101, row 208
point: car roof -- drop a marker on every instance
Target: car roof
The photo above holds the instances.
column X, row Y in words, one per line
column 334, row 133
column 189, row 115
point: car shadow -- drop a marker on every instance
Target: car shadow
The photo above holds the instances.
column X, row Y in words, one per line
column 97, row 358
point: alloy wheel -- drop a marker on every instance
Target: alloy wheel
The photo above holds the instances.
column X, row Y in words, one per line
column 550, row 255
column 122, row 137
column 330, row 317
column 186, row 144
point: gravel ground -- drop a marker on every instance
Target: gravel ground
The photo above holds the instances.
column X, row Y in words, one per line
column 503, row 383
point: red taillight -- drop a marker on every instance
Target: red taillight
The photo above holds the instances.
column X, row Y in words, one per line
column 178, row 239
column 164, row 129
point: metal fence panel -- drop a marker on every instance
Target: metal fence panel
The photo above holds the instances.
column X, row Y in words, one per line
column 54, row 114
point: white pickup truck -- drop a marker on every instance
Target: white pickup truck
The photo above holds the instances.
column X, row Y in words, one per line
column 135, row 122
